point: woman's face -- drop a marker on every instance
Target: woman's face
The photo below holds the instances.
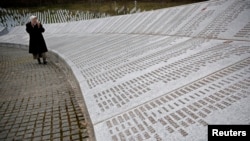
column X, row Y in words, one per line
column 34, row 20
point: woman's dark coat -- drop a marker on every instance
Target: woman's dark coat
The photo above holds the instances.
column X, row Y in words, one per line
column 37, row 44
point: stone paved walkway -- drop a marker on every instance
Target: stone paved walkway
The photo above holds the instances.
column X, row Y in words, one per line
column 36, row 101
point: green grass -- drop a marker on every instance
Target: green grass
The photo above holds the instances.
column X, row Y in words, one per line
column 107, row 7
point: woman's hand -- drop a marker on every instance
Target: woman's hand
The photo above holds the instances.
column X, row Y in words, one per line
column 38, row 24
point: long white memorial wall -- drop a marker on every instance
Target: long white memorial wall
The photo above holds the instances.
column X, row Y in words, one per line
column 159, row 75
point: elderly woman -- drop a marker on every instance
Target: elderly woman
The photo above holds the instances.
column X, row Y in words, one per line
column 37, row 45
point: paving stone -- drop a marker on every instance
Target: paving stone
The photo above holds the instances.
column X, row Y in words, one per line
column 85, row 133
column 29, row 131
column 21, row 129
column 75, row 137
column 58, row 134
column 9, row 139
column 37, row 138
column 30, row 127
column 74, row 132
column 66, row 138
column 46, row 132
column 46, row 137
column 26, row 136
column 66, row 133
column 7, row 127
column 56, row 139
column 20, row 133
column 18, row 138
column 3, row 135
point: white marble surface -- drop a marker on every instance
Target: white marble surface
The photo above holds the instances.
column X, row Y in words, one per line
column 162, row 74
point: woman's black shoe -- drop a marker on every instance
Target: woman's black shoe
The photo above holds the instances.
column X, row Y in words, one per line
column 44, row 61
column 39, row 61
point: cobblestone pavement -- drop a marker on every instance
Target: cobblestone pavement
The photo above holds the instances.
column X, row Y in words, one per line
column 36, row 101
